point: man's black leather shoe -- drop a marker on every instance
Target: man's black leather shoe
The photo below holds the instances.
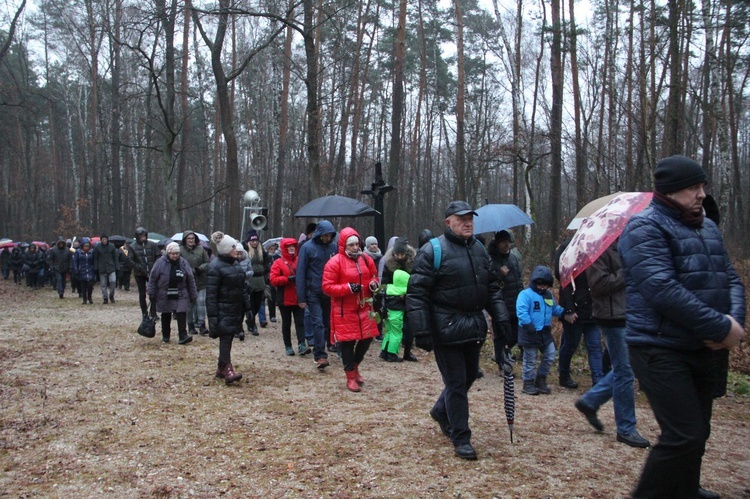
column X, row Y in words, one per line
column 466, row 451
column 590, row 415
column 707, row 494
column 634, row 440
column 445, row 426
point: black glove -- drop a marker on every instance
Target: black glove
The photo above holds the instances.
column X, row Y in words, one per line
column 529, row 328
column 502, row 330
column 197, row 271
column 292, row 278
column 152, row 298
column 356, row 288
column 423, row 341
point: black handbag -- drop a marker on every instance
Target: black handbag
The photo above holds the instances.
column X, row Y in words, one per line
column 147, row 327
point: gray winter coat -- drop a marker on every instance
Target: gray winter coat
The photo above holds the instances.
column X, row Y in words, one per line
column 158, row 285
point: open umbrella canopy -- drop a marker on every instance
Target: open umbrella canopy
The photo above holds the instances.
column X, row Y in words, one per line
column 590, row 208
column 40, row 245
column 7, row 243
column 178, row 236
column 597, row 233
column 162, row 243
column 156, row 237
column 496, row 217
column 335, row 206
column 269, row 242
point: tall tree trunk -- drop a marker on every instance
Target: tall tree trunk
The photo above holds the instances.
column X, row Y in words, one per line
column 313, row 112
column 675, row 113
column 277, row 223
column 117, row 218
column 185, row 138
column 556, row 118
column 461, row 173
column 397, row 116
column 581, row 173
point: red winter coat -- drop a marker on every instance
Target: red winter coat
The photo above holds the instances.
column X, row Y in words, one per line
column 281, row 270
column 350, row 314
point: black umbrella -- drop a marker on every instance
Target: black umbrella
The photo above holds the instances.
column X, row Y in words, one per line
column 335, row 206
column 118, row 240
column 163, row 242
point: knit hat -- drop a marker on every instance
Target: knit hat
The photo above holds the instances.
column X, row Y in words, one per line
column 252, row 235
column 224, row 243
column 370, row 240
column 503, row 235
column 103, row 236
column 675, row 173
column 352, row 239
column 173, row 247
column 400, row 246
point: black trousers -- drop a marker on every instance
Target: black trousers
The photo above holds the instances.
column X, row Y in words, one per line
column 141, row 283
column 679, row 385
column 225, row 350
column 287, row 314
column 166, row 324
column 458, row 366
column 352, row 352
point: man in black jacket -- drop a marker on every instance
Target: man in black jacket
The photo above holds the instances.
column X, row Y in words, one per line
column 60, row 260
column 445, row 302
column 141, row 257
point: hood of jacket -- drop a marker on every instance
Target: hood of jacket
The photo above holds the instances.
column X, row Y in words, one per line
column 540, row 273
column 398, row 286
column 324, row 227
column 185, row 234
column 285, row 244
column 345, row 234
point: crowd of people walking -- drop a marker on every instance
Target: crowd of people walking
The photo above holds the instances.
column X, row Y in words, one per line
column 665, row 298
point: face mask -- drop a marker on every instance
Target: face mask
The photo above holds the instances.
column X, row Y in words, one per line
column 290, row 250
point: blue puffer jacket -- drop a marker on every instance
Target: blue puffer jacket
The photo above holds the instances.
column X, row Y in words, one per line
column 83, row 265
column 535, row 309
column 679, row 281
column 312, row 259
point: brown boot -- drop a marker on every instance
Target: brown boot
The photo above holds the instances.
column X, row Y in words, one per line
column 351, row 381
column 357, row 376
column 230, row 376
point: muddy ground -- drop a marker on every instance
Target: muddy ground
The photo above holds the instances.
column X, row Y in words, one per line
column 90, row 409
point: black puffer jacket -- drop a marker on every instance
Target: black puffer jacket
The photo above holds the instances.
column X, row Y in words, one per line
column 226, row 301
column 60, row 259
column 142, row 256
column 35, row 260
column 105, row 258
column 511, row 284
column 449, row 303
column 576, row 301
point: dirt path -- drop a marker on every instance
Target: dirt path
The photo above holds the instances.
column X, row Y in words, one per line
column 91, row 409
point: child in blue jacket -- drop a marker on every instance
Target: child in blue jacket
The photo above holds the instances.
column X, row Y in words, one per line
column 535, row 307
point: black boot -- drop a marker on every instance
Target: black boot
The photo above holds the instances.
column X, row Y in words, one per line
column 529, row 388
column 408, row 356
column 541, row 385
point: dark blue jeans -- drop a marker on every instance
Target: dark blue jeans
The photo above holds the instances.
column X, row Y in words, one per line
column 458, row 366
column 569, row 342
column 679, row 385
column 320, row 316
column 60, row 282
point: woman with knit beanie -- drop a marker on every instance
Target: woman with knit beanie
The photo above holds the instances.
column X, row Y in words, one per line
column 350, row 278
column 171, row 285
column 226, row 302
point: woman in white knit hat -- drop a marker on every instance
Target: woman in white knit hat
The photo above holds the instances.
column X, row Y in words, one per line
column 226, row 301
column 171, row 285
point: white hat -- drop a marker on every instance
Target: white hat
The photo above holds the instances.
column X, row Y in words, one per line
column 173, row 247
column 352, row 239
column 224, row 243
column 371, row 240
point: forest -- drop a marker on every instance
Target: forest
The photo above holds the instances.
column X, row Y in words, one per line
column 116, row 113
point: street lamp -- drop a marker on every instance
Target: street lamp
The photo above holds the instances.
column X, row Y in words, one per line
column 251, row 199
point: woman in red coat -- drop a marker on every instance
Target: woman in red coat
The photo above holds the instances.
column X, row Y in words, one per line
column 283, row 277
column 350, row 278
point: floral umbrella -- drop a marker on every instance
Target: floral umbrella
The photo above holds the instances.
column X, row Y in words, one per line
column 597, row 233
